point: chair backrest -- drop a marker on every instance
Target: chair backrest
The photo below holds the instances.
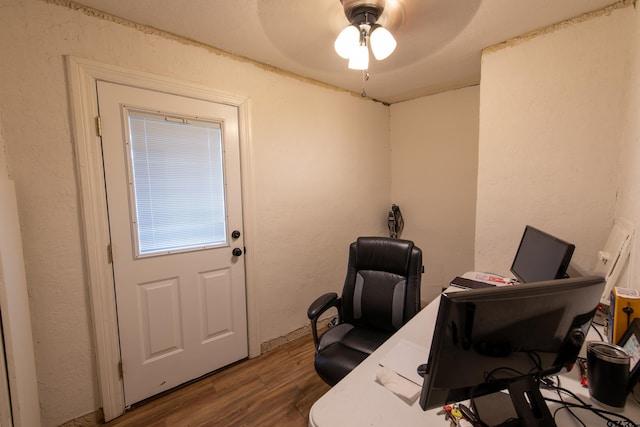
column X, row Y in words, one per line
column 382, row 287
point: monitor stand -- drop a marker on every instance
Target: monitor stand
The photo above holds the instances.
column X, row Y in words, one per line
column 524, row 406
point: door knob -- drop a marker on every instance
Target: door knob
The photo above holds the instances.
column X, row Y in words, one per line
column 236, row 252
column 235, row 234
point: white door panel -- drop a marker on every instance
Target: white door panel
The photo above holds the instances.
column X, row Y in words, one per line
column 181, row 310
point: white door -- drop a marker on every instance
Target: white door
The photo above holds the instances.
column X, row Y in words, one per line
column 172, row 173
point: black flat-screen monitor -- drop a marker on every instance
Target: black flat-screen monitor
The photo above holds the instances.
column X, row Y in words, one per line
column 491, row 339
column 541, row 256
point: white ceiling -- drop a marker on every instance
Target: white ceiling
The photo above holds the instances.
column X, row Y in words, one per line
column 439, row 41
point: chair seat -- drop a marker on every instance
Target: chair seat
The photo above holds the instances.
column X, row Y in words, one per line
column 343, row 347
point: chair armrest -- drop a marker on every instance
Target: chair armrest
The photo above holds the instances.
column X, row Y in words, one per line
column 322, row 304
column 319, row 306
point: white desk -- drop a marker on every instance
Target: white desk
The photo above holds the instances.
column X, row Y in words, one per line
column 358, row 400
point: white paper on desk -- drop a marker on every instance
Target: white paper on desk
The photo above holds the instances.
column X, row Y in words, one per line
column 405, row 358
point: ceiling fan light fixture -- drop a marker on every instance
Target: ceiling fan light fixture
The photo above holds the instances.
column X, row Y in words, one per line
column 382, row 42
column 359, row 59
column 352, row 42
column 347, row 41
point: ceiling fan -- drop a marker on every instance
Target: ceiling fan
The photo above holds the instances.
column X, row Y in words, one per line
column 364, row 32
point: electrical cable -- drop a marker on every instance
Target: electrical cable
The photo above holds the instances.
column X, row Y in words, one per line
column 622, row 421
column 537, row 361
column 564, row 406
column 597, row 332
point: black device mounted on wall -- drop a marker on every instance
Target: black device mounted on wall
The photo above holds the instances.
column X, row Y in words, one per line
column 395, row 222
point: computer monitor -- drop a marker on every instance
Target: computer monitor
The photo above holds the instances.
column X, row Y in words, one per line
column 491, row 339
column 541, row 256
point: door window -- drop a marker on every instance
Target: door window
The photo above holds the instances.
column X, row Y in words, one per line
column 176, row 183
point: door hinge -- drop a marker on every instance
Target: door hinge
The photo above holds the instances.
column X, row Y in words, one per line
column 121, row 369
column 110, row 253
column 99, row 126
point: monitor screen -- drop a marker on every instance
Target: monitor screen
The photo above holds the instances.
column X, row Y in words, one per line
column 486, row 339
column 541, row 256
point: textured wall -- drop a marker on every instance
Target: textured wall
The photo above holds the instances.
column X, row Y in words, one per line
column 16, row 324
column 551, row 114
column 434, row 165
column 629, row 197
column 4, row 173
column 320, row 176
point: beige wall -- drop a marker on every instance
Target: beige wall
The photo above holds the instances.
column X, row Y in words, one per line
column 628, row 202
column 551, row 116
column 3, row 157
column 434, row 160
column 320, row 177
column 20, row 368
column 554, row 118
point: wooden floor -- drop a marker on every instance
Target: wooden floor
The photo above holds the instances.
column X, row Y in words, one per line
column 275, row 389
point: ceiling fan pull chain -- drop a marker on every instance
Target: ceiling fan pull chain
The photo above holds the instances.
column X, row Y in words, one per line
column 365, row 77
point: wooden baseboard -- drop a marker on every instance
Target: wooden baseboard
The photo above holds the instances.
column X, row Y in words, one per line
column 293, row 335
column 91, row 419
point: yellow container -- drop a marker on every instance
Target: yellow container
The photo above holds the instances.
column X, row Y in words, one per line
column 624, row 307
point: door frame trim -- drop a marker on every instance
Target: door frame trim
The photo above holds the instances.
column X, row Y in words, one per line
column 82, row 76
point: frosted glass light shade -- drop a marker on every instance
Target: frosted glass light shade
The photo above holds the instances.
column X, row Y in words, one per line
column 382, row 43
column 347, row 41
column 360, row 58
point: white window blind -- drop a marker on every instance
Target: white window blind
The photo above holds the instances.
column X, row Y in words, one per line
column 178, row 183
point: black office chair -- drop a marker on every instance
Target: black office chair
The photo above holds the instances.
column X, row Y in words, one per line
column 381, row 293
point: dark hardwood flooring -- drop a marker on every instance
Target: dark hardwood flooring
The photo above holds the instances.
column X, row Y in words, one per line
column 275, row 389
